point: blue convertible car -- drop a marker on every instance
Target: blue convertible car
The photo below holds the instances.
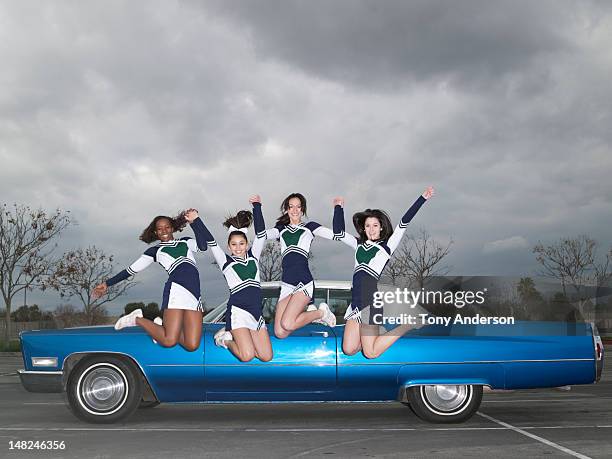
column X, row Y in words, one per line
column 439, row 371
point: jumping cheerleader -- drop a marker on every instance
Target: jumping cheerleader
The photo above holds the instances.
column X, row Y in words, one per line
column 181, row 306
column 297, row 288
column 377, row 242
column 245, row 333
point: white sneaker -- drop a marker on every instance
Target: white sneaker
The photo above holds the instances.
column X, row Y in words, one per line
column 352, row 314
column 222, row 336
column 328, row 318
column 129, row 320
column 312, row 307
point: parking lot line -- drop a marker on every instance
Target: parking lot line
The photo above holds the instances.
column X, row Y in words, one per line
column 533, row 436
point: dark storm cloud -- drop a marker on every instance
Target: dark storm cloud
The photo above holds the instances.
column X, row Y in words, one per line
column 391, row 43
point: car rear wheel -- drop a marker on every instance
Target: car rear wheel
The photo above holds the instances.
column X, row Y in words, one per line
column 104, row 389
column 444, row 403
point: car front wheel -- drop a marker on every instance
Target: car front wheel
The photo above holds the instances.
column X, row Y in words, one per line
column 104, row 389
column 444, row 403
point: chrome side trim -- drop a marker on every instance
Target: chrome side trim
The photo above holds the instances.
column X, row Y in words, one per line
column 27, row 372
column 243, row 365
column 176, row 365
column 465, row 361
column 268, row 364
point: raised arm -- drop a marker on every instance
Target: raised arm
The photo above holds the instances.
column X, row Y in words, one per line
column 200, row 243
column 400, row 229
column 203, row 236
column 260, row 227
column 339, row 225
column 321, row 231
column 140, row 264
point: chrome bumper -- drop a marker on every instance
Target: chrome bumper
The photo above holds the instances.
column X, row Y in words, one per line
column 41, row 381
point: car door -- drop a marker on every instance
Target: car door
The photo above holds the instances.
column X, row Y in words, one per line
column 303, row 366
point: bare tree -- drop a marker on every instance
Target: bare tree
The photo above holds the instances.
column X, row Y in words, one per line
column 270, row 262
column 568, row 260
column 573, row 262
column 421, row 258
column 395, row 269
column 603, row 271
column 603, row 276
column 76, row 275
column 66, row 315
column 26, row 247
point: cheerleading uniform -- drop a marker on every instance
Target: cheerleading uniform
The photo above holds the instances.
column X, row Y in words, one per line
column 244, row 309
column 295, row 241
column 182, row 289
column 371, row 257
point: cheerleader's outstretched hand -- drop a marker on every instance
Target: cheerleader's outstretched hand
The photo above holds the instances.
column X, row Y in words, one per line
column 99, row 290
column 191, row 215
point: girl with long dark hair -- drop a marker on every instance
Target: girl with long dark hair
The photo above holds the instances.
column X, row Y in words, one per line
column 376, row 243
column 297, row 287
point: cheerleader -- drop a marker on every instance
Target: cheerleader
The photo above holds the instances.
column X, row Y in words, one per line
column 297, row 287
column 376, row 243
column 245, row 333
column 181, row 305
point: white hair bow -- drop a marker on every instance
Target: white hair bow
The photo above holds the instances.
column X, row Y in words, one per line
column 233, row 228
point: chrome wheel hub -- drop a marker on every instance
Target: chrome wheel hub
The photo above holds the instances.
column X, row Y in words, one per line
column 446, row 398
column 103, row 389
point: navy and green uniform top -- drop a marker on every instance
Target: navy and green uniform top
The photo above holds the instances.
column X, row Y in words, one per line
column 182, row 289
column 295, row 242
column 242, row 274
column 371, row 257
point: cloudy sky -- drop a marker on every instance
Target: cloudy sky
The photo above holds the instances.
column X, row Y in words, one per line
column 122, row 110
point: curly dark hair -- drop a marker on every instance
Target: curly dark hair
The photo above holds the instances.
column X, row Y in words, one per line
column 386, row 228
column 178, row 224
column 242, row 219
column 284, row 207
